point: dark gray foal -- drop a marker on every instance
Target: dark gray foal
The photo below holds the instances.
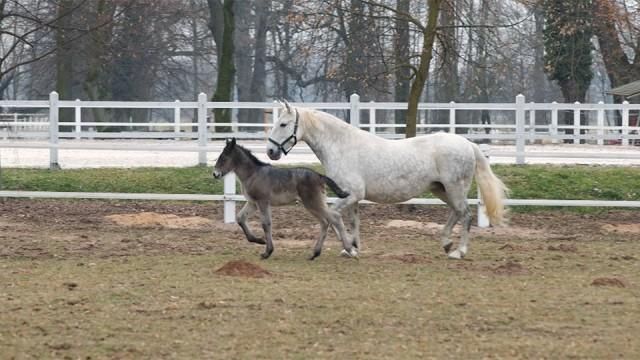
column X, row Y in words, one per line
column 264, row 185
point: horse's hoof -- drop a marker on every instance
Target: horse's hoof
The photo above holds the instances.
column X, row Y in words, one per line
column 265, row 256
column 352, row 254
column 447, row 247
column 456, row 255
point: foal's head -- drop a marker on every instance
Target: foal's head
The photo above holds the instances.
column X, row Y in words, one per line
column 234, row 156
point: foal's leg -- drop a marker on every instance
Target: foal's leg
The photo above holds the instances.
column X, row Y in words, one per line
column 248, row 210
column 265, row 211
column 316, row 204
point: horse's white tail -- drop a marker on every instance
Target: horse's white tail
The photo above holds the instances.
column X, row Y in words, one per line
column 492, row 189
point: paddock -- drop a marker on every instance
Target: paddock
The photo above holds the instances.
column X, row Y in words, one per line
column 135, row 279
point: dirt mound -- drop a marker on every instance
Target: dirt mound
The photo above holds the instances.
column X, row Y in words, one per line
column 242, row 268
column 510, row 268
column 563, row 248
column 605, row 281
column 153, row 219
column 622, row 228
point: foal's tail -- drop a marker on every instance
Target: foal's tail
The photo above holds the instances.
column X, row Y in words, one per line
column 492, row 189
column 334, row 187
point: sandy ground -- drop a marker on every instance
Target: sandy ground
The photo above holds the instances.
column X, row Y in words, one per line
column 30, row 158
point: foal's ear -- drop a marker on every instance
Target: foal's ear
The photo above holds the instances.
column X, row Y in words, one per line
column 231, row 142
column 287, row 106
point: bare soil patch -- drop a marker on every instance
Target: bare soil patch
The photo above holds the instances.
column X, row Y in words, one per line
column 622, row 228
column 407, row 258
column 510, row 268
column 563, row 248
column 154, row 219
column 609, row 281
column 242, row 268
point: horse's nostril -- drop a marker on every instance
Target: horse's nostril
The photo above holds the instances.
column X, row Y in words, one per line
column 270, row 151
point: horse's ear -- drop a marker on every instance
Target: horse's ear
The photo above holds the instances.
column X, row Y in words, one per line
column 287, row 106
column 231, row 142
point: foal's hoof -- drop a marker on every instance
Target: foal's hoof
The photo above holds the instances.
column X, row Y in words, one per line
column 352, row 254
column 456, row 255
column 447, row 247
column 257, row 241
column 265, row 255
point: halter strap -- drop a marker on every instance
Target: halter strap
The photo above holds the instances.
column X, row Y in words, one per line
column 293, row 136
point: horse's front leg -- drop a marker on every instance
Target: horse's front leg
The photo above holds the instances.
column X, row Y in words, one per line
column 353, row 216
column 248, row 210
column 265, row 211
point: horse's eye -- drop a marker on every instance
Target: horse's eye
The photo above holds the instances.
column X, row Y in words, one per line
column 283, row 125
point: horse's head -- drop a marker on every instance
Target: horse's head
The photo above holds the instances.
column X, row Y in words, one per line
column 224, row 164
column 285, row 132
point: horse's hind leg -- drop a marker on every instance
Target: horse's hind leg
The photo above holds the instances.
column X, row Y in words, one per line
column 458, row 202
column 445, row 238
column 247, row 210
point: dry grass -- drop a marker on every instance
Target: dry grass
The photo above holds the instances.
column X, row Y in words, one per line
column 157, row 294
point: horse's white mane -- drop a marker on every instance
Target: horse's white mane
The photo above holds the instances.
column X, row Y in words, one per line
column 315, row 120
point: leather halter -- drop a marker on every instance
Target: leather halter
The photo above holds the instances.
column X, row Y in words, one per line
column 293, row 136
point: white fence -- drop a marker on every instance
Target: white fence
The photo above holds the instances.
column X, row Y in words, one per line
column 523, row 129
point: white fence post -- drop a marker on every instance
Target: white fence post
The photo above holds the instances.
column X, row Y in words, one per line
column 554, row 123
column 576, row 124
column 520, row 129
column 532, row 125
column 452, row 118
column 78, row 118
column 354, row 113
column 483, row 219
column 202, row 128
column 600, row 131
column 229, row 205
column 176, row 119
column 372, row 119
column 53, row 131
column 625, row 123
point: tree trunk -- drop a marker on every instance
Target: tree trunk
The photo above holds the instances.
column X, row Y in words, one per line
column 447, row 89
column 64, row 57
column 226, row 67
column 402, row 61
column 355, row 55
column 96, row 49
column 422, row 73
column 243, row 53
column 259, row 78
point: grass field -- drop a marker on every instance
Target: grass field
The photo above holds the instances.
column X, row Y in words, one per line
column 555, row 284
column 525, row 182
column 76, row 285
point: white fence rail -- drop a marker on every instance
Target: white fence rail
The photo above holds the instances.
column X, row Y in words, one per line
column 523, row 129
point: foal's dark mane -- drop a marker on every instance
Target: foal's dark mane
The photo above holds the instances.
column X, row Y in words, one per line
column 251, row 157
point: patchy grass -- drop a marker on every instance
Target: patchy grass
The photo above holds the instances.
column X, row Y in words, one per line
column 75, row 286
column 525, row 182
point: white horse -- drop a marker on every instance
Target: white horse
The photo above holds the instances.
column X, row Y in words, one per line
column 391, row 171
